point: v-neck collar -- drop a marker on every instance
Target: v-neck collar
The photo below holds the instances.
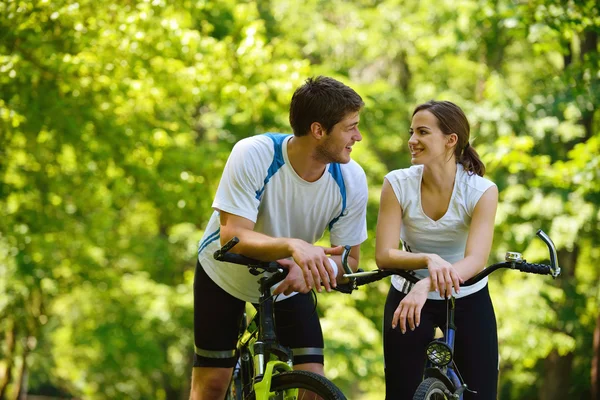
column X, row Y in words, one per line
column 435, row 221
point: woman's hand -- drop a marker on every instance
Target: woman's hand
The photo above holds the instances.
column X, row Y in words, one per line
column 410, row 307
column 443, row 275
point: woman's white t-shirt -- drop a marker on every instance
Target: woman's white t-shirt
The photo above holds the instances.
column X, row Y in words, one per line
column 446, row 237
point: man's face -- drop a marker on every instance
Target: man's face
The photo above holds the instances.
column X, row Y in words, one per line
column 337, row 143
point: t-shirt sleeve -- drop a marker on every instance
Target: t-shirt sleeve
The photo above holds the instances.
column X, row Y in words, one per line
column 241, row 180
column 393, row 178
column 478, row 188
column 351, row 227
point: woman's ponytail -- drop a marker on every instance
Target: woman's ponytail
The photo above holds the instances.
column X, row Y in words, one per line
column 470, row 161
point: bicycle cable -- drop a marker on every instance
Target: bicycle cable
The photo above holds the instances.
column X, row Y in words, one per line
column 447, row 330
column 447, row 316
column 314, row 310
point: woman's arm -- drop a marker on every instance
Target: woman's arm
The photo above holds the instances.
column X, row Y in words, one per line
column 481, row 234
column 387, row 242
column 387, row 255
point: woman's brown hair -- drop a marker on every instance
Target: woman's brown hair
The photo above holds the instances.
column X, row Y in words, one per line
column 452, row 119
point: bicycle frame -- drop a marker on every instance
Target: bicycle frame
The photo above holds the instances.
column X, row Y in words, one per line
column 447, row 373
column 265, row 367
column 259, row 352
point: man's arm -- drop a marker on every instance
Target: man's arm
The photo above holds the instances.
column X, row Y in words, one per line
column 353, row 259
column 252, row 244
column 311, row 259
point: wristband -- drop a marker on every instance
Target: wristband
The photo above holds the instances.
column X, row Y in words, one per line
column 334, row 266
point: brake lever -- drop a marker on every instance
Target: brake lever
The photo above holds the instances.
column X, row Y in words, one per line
column 554, row 268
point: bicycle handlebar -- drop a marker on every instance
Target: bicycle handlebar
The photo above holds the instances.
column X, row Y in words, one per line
column 512, row 261
column 253, row 265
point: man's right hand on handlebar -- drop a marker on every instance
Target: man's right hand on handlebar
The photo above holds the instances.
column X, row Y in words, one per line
column 313, row 262
column 443, row 276
column 293, row 282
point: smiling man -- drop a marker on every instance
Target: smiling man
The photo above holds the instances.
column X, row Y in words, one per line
column 278, row 194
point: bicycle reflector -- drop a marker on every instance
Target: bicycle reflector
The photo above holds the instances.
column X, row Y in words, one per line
column 439, row 353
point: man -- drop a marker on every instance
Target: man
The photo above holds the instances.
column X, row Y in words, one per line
column 278, row 194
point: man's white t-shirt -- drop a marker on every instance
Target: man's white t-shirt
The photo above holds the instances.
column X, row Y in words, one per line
column 259, row 184
column 446, row 237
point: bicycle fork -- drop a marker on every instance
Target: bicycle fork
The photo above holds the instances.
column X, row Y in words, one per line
column 267, row 338
column 440, row 357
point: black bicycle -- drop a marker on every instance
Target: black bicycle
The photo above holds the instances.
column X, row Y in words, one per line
column 441, row 378
column 264, row 370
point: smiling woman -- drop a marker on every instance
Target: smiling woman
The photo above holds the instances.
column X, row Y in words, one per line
column 443, row 118
column 443, row 211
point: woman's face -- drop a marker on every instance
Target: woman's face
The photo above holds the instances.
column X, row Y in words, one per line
column 427, row 143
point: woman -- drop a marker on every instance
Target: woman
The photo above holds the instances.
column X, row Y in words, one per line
column 443, row 210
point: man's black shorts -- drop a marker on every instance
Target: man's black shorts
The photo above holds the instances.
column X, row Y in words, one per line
column 217, row 317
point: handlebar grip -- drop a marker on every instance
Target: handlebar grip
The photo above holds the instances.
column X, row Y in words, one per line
column 364, row 280
column 225, row 248
column 541, row 269
column 346, row 288
column 237, row 259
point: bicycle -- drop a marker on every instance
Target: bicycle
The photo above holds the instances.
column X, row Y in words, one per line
column 264, row 370
column 441, row 378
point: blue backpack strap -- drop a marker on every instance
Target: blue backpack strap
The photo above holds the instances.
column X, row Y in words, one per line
column 277, row 162
column 336, row 172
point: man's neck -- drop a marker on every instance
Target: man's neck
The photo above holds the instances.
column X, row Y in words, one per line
column 301, row 154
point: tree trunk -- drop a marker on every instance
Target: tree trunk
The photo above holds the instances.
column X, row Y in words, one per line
column 20, row 391
column 557, row 368
column 10, row 345
column 557, row 375
column 589, row 43
column 596, row 362
column 404, row 73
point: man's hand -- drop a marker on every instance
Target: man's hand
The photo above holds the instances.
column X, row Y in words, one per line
column 313, row 262
column 294, row 281
column 443, row 275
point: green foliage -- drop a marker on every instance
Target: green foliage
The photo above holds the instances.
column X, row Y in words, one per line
column 116, row 121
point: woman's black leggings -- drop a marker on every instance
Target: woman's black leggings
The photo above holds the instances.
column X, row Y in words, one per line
column 475, row 347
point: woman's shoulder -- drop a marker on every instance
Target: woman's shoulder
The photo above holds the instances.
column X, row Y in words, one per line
column 412, row 173
column 474, row 181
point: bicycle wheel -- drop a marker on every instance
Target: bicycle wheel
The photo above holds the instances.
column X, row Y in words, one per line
column 431, row 389
column 235, row 391
column 313, row 386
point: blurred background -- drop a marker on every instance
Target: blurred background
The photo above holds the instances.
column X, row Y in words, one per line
column 116, row 119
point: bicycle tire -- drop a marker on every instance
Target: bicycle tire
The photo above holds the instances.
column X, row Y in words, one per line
column 235, row 391
column 431, row 389
column 314, row 383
